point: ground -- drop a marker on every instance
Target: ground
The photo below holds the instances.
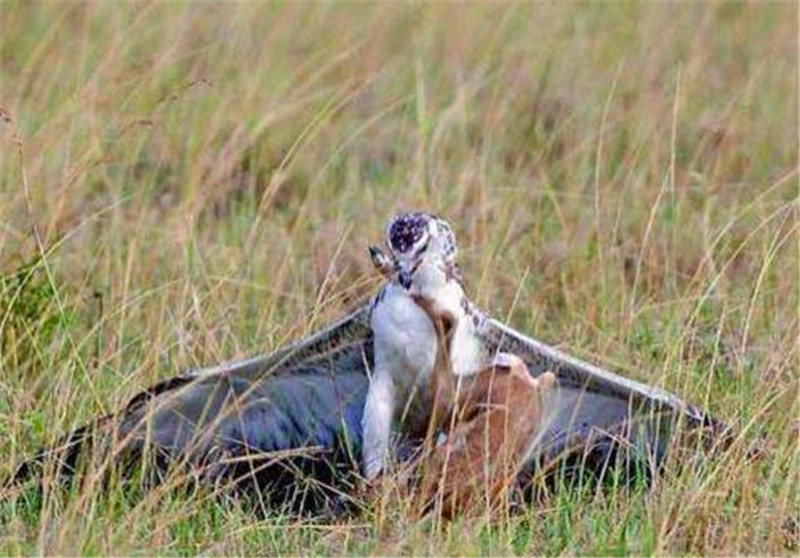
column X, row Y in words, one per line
column 182, row 184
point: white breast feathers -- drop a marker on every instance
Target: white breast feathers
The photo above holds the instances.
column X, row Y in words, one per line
column 404, row 343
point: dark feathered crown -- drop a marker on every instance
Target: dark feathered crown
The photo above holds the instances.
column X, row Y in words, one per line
column 407, row 230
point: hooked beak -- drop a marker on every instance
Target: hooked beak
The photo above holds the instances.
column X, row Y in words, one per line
column 405, row 272
column 404, row 278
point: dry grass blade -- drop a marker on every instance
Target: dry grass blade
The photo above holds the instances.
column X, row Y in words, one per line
column 197, row 185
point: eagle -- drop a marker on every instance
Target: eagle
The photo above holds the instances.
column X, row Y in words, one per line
column 287, row 427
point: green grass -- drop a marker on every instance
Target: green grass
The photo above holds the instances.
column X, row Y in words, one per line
column 182, row 184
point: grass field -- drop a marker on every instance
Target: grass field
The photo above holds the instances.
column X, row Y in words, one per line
column 183, row 184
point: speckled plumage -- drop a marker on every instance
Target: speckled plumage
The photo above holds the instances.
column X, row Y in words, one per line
column 401, row 395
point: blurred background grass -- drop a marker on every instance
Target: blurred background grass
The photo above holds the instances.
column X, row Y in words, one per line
column 187, row 183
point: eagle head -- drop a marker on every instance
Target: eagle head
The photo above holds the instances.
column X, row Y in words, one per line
column 417, row 240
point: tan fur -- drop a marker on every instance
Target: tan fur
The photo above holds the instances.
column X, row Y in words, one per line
column 491, row 417
column 443, row 381
column 499, row 415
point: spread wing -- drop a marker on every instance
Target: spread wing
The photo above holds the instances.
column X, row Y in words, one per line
column 598, row 416
column 261, row 423
column 295, row 415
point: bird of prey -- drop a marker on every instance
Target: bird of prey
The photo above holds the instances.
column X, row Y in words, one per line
column 287, row 426
column 402, row 390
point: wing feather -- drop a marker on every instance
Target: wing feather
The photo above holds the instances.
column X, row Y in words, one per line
column 310, row 395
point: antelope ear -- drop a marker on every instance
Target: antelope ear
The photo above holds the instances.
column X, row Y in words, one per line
column 376, row 254
column 380, row 261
